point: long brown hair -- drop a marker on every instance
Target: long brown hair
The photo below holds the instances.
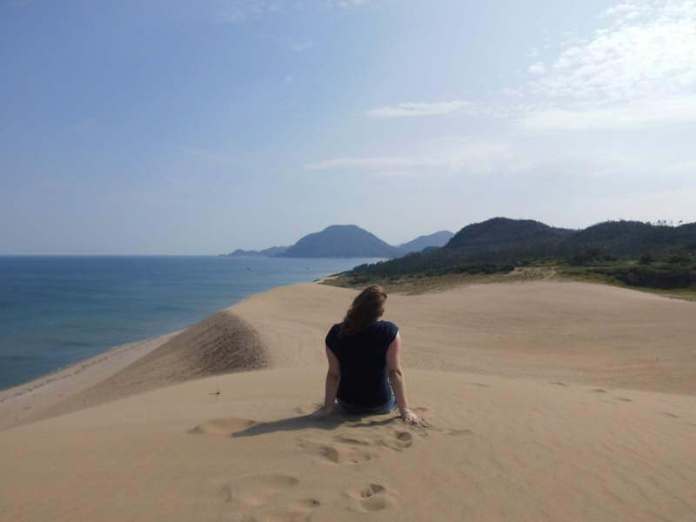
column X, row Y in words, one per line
column 367, row 307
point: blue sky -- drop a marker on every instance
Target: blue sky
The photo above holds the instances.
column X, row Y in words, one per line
column 149, row 127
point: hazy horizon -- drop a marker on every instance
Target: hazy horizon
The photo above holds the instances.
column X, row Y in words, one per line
column 198, row 128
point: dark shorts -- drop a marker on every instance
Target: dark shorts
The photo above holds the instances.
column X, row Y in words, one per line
column 354, row 409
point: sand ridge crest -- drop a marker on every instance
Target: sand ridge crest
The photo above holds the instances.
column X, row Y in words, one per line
column 222, row 343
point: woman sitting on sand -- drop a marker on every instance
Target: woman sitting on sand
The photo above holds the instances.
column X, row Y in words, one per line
column 365, row 375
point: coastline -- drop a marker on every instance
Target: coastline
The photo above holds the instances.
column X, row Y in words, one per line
column 24, row 402
column 68, row 389
column 63, row 310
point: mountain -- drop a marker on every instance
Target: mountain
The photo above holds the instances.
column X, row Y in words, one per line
column 267, row 252
column 341, row 241
column 436, row 239
column 505, row 234
column 630, row 239
column 495, row 241
column 509, row 242
column 347, row 241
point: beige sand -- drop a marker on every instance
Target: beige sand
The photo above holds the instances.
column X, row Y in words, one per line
column 548, row 401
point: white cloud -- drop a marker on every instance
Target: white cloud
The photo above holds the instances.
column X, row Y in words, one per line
column 633, row 115
column 419, row 109
column 449, row 155
column 537, row 68
column 636, row 73
column 638, row 69
column 648, row 49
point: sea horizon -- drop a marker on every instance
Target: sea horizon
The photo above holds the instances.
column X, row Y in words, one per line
column 61, row 309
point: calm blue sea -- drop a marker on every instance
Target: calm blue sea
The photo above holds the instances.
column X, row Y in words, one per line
column 57, row 310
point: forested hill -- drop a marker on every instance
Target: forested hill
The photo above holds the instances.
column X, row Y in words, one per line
column 500, row 244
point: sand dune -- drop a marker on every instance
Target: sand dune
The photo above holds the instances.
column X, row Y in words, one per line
column 498, row 449
column 222, row 343
column 585, row 333
column 34, row 400
column 547, row 401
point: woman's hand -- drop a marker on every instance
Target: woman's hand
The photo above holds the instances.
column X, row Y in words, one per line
column 409, row 417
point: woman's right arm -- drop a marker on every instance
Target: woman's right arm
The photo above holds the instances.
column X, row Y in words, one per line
column 398, row 382
column 333, row 378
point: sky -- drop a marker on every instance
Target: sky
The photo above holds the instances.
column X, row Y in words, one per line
column 171, row 127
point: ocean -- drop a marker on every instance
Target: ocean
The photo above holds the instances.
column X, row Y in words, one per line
column 55, row 311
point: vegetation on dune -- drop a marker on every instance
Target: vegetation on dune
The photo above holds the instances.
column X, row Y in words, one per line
column 669, row 271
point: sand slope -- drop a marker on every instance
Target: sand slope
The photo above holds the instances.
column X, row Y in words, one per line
column 585, row 333
column 547, row 401
column 222, row 343
column 498, row 449
column 35, row 399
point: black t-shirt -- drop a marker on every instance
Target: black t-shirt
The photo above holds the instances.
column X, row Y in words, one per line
column 363, row 358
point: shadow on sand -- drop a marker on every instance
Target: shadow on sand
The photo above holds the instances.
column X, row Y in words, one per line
column 303, row 422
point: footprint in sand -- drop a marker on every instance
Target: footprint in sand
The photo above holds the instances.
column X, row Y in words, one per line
column 401, row 440
column 351, row 440
column 397, row 440
column 263, row 498
column 374, row 497
column 309, row 503
column 345, row 453
column 599, row 390
column 256, row 490
column 624, row 399
column 348, row 448
column 306, row 409
column 289, row 515
column 459, row 432
column 222, row 427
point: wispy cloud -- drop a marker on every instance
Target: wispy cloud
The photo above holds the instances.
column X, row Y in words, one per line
column 633, row 115
column 350, row 3
column 238, row 11
column 418, row 109
column 448, row 155
column 638, row 69
column 301, row 46
column 537, row 68
column 647, row 48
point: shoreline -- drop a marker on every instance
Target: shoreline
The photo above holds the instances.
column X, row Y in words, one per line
column 104, row 363
column 18, row 404
column 58, row 324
